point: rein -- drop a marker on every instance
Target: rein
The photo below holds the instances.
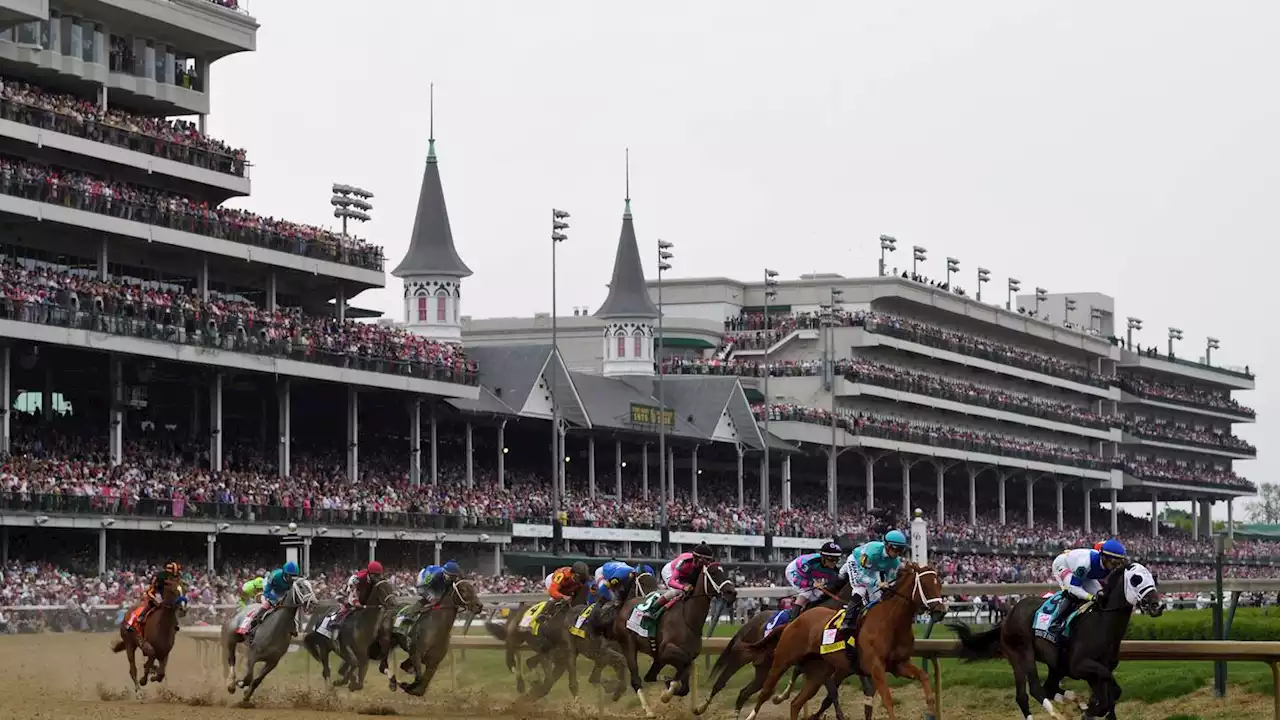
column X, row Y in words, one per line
column 917, row 590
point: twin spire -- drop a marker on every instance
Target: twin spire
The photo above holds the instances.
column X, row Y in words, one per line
column 628, row 293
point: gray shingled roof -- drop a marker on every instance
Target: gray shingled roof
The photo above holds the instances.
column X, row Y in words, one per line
column 608, row 403
column 628, row 294
column 510, row 371
column 431, row 250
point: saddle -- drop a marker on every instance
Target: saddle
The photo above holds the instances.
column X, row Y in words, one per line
column 1048, row 626
column 533, row 617
column 831, row 634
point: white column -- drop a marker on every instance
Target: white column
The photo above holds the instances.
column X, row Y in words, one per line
column 644, row 472
column 306, row 556
column 671, row 474
column 102, row 551
column 942, row 473
column 340, row 305
column 906, row 488
column 1155, row 515
column 211, row 543
column 471, row 465
column 973, row 495
column 373, row 550
column 1231, row 520
column 6, row 379
column 116, row 419
column 415, row 441
column 1115, row 513
column 742, row 484
column 617, row 469
column 833, row 461
column 591, row 467
column 1000, row 494
column 215, row 422
column 435, row 447
column 869, row 466
column 1031, row 502
column 1195, row 520
column 353, row 440
column 1088, row 510
column 271, row 291
column 1061, row 524
column 502, row 456
column 284, row 419
column 693, row 474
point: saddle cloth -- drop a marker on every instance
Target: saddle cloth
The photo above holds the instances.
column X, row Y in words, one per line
column 579, row 625
column 829, row 631
column 531, row 620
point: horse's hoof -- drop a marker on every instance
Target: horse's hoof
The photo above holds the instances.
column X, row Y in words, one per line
column 1049, row 708
column 142, row 682
column 778, row 699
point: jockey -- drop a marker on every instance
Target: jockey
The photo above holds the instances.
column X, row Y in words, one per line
column 251, row 590
column 564, row 584
column 611, row 581
column 360, row 585
column 680, row 575
column 1079, row 571
column 154, row 595
column 274, row 587
column 812, row 574
column 434, row 581
column 868, row 571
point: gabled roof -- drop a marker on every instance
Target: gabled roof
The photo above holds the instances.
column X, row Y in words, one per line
column 704, row 398
column 431, row 250
column 608, row 403
column 628, row 294
column 511, row 372
column 486, row 404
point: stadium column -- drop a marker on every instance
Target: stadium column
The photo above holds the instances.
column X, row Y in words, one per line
column 942, row 474
column 617, row 469
column 1115, row 512
column 869, row 467
column 1058, row 488
column 102, row 258
column 102, row 551
column 340, row 305
column 415, row 441
column 764, row 478
column 1000, row 490
column 591, row 467
column 271, row 291
column 1088, row 510
column 742, row 489
column 693, row 474
column 1155, row 514
column 973, row 494
column 202, row 278
column 373, row 549
column 435, row 447
column 1031, row 500
column 6, row 368
column 353, row 436
column 210, row 543
column 1231, row 520
column 1195, row 520
column 471, row 461
column 907, row 463
column 502, row 455
column 284, row 419
column 671, row 474
column 644, row 472
column 46, row 397
column 786, row 481
column 115, row 423
column 215, row 422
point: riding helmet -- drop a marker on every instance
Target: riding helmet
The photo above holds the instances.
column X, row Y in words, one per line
column 291, row 569
column 1114, row 548
column 172, row 568
column 703, row 551
column 580, row 569
column 896, row 539
column 375, row 568
column 830, row 549
column 451, row 568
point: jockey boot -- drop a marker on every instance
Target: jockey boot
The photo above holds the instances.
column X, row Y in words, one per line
column 1066, row 606
column 852, row 613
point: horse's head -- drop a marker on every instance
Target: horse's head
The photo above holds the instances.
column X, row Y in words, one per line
column 301, row 595
column 171, row 596
column 1140, row 590
column 923, row 586
column 467, row 597
column 716, row 583
column 383, row 593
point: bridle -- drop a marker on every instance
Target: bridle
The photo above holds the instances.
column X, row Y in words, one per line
column 713, row 588
column 917, row 590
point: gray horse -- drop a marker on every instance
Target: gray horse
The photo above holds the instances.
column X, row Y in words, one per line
column 363, row 634
column 270, row 639
column 427, row 641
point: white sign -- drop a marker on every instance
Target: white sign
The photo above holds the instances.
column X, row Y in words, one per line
column 919, row 540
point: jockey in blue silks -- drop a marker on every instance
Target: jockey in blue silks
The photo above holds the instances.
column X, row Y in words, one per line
column 868, row 571
column 1079, row 573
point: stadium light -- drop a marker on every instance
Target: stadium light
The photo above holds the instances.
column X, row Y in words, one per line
column 1041, row 296
column 558, row 226
column 953, row 266
column 918, row 255
column 770, row 293
column 1068, row 304
column 1210, row 345
column 829, row 370
column 984, row 276
column 108, row 522
column 351, row 203
column 1174, row 334
column 664, row 265
column 1132, row 324
column 888, row 243
column 1014, row 286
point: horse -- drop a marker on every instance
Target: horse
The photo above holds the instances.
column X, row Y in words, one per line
column 677, row 640
column 270, row 639
column 358, row 638
column 883, row 645
column 552, row 650
column 1091, row 651
column 737, row 655
column 593, row 633
column 154, row 636
column 427, row 640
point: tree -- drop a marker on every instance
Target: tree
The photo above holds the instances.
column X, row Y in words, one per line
column 1266, row 508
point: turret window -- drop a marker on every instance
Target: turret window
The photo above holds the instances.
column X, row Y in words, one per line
column 639, row 343
column 622, row 347
column 441, row 310
column 422, row 309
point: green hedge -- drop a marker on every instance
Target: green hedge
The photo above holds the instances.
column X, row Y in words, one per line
column 1250, row 624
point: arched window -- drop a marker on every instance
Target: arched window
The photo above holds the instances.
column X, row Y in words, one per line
column 622, row 343
column 639, row 343
column 442, row 306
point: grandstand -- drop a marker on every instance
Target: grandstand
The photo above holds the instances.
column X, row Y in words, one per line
column 189, row 380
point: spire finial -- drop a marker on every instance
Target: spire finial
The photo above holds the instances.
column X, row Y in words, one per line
column 431, row 123
column 627, row 209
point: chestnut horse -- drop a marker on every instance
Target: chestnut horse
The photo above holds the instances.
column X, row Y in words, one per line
column 154, row 635
column 883, row 644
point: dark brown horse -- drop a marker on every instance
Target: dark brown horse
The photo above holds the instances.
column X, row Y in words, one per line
column 427, row 641
column 553, row 652
column 884, row 644
column 678, row 637
column 154, row 635
column 593, row 636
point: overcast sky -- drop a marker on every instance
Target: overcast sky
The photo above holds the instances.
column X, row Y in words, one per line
column 1124, row 148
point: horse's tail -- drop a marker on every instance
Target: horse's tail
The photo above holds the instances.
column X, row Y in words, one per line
column 977, row 646
column 721, row 662
column 117, row 646
column 762, row 647
column 500, row 631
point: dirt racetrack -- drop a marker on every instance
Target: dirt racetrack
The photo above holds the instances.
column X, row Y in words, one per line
column 56, row 676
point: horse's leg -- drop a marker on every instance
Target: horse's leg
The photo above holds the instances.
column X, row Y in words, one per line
column 130, row 649
column 1020, row 685
column 229, row 656
column 680, row 661
column 786, row 692
column 907, row 669
column 732, row 665
column 250, row 660
column 832, row 698
column 1033, row 682
column 161, row 664
column 572, row 657
column 814, row 678
column 629, row 652
column 267, row 666
column 421, row 664
column 770, row 682
column 358, row 672
column 875, row 669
